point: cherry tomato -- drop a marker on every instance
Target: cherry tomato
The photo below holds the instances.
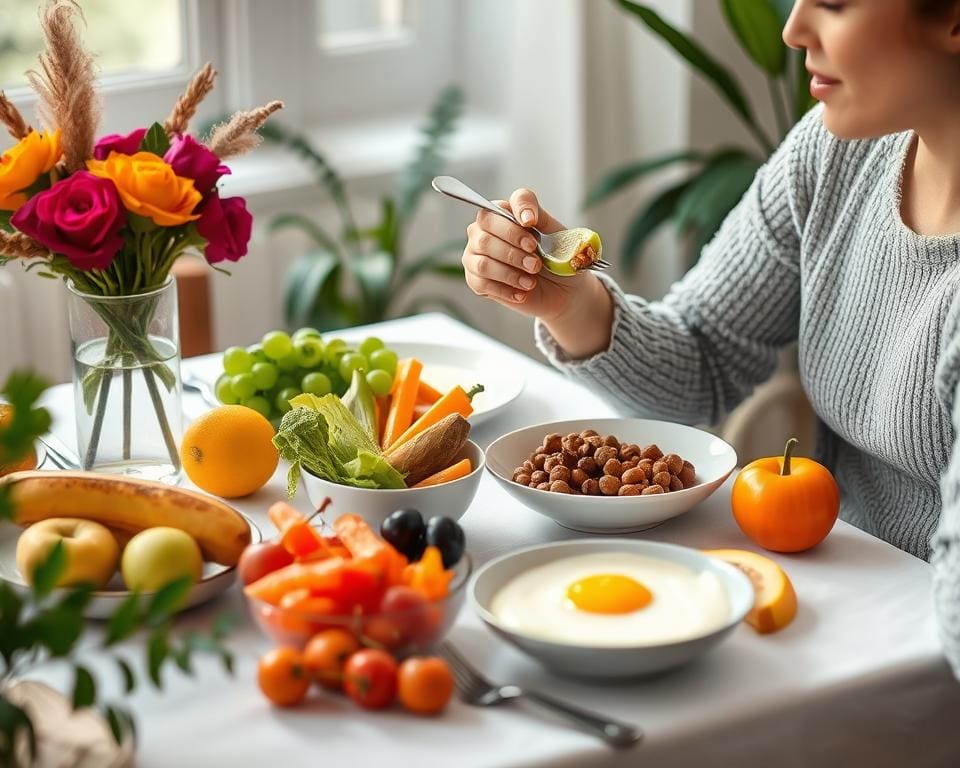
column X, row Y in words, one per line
column 257, row 560
column 370, row 678
column 424, row 684
column 326, row 654
column 282, row 676
column 382, row 632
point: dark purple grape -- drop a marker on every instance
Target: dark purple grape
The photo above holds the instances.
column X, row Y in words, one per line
column 446, row 535
column 405, row 531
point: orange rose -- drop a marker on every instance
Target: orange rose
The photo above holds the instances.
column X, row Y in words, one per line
column 22, row 164
column 149, row 187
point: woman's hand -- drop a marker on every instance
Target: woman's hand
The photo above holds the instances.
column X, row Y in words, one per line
column 500, row 262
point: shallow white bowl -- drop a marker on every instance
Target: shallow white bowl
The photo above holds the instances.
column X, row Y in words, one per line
column 215, row 579
column 374, row 504
column 604, row 662
column 713, row 459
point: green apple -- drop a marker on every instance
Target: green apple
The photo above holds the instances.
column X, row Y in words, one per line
column 157, row 556
column 92, row 551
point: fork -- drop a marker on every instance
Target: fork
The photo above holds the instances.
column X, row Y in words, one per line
column 477, row 690
column 546, row 244
column 192, row 382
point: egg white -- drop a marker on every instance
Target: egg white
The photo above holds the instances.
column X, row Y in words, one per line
column 685, row 604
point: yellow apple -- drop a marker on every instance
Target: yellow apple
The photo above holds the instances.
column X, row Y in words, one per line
column 92, row 552
column 157, row 556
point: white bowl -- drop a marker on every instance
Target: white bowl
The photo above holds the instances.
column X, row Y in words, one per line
column 375, row 504
column 713, row 459
column 606, row 662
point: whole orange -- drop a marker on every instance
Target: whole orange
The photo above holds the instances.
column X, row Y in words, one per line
column 229, row 451
column 27, row 462
column 424, row 684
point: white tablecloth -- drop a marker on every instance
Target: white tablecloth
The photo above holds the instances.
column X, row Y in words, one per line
column 857, row 679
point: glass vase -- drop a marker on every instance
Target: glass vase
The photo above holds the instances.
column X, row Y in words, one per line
column 126, row 382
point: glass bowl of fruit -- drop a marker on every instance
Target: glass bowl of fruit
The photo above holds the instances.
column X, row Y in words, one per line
column 399, row 590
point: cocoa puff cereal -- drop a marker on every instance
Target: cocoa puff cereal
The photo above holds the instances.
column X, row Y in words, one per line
column 592, row 464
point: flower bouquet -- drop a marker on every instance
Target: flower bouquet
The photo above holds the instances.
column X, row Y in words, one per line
column 110, row 217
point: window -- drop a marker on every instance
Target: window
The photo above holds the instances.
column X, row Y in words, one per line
column 361, row 23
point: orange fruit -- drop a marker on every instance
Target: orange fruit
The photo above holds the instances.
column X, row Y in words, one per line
column 229, row 451
column 27, row 462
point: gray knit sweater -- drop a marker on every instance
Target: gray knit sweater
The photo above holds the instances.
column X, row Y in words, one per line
column 817, row 252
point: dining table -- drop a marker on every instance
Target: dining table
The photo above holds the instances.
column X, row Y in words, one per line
column 857, row 679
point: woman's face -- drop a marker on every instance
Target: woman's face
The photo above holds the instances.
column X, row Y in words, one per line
column 877, row 66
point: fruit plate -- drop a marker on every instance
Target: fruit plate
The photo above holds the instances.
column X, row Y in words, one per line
column 216, row 578
column 713, row 458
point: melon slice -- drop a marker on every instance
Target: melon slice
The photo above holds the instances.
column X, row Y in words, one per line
column 776, row 602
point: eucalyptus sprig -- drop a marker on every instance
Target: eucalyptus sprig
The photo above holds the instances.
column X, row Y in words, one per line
column 44, row 625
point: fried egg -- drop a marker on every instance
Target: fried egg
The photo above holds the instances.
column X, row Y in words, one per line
column 612, row 599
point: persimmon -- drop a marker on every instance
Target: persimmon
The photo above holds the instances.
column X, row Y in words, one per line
column 283, row 677
column 785, row 503
column 424, row 685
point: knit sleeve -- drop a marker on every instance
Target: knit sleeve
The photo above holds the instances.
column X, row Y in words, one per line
column 946, row 540
column 701, row 350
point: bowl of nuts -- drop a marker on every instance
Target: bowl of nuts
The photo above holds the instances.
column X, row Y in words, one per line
column 610, row 475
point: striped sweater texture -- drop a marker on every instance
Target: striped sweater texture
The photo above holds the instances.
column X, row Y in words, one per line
column 817, row 252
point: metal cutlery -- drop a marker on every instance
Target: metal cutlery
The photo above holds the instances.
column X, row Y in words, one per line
column 194, row 383
column 546, row 244
column 477, row 690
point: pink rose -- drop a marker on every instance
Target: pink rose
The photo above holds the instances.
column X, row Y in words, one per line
column 79, row 216
column 115, row 142
column 190, row 159
column 226, row 226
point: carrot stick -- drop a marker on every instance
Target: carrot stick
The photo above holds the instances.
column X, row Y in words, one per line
column 427, row 394
column 455, row 401
column 297, row 536
column 454, row 472
column 419, row 409
column 364, row 544
column 400, row 416
column 321, row 576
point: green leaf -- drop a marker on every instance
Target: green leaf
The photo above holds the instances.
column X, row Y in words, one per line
column 129, row 681
column 430, row 260
column 619, row 178
column 646, row 222
column 15, row 726
column 716, row 190
column 158, row 649
column 312, row 292
column 22, row 390
column 181, row 657
column 703, row 62
column 757, row 25
column 5, row 221
column 124, row 620
column 224, row 624
column 386, row 234
column 11, row 607
column 374, row 273
column 783, row 9
column 84, row 687
column 802, row 100
column 155, row 140
column 120, row 721
column 90, row 384
column 48, row 573
column 167, row 600
column 429, row 160
column 308, row 226
column 57, row 628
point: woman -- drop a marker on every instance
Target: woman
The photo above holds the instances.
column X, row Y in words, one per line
column 848, row 241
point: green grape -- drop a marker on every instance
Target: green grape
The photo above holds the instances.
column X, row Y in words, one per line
column 305, row 333
column 260, row 404
column 350, row 362
column 316, row 384
column 243, row 386
column 370, row 344
column 224, row 391
column 283, row 397
column 257, row 352
column 308, row 351
column 335, row 348
column 277, row 345
column 264, row 375
column 288, row 363
column 379, row 381
column 384, row 360
column 236, row 360
column 286, row 381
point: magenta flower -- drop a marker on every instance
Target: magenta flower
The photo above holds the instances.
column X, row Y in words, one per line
column 79, row 216
column 226, row 225
column 115, row 142
column 190, row 159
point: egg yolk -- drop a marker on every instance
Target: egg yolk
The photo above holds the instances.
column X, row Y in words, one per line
column 609, row 593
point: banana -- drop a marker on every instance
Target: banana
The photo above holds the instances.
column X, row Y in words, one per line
column 130, row 505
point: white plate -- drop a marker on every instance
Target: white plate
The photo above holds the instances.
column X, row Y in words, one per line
column 216, row 578
column 713, row 459
column 610, row 662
